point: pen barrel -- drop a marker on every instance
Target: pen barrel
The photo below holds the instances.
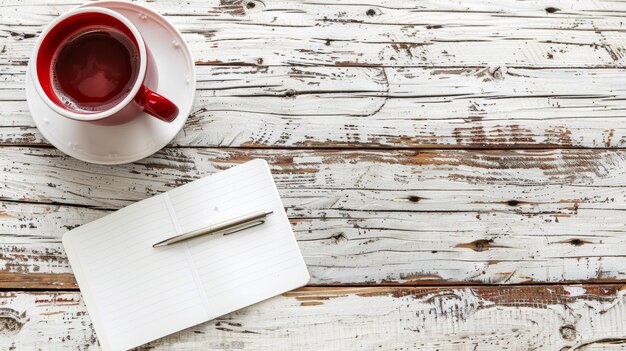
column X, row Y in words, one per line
column 234, row 224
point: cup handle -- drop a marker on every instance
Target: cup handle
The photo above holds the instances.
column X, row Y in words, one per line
column 156, row 104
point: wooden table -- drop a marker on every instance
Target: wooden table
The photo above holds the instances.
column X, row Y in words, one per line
column 454, row 172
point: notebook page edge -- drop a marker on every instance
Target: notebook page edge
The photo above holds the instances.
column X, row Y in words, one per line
column 306, row 276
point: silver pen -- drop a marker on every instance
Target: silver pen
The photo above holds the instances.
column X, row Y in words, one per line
column 225, row 227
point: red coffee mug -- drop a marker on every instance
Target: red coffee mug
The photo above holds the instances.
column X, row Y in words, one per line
column 135, row 98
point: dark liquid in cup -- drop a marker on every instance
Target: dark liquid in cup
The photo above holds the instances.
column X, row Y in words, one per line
column 95, row 70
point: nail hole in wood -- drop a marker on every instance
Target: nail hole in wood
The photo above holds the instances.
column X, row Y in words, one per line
column 371, row 12
column 250, row 5
column 578, row 242
column 338, row 238
column 291, row 93
column 512, row 202
column 552, row 9
column 568, row 332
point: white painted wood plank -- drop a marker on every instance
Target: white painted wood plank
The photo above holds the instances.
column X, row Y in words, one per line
column 347, row 247
column 430, row 217
column 503, row 318
column 413, row 33
column 365, row 217
column 442, row 180
column 382, row 107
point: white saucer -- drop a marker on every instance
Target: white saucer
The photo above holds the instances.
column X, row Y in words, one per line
column 144, row 135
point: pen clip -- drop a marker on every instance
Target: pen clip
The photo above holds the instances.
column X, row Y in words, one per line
column 241, row 227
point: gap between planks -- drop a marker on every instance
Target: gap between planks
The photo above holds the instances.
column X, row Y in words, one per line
column 429, row 285
column 358, row 65
column 358, row 147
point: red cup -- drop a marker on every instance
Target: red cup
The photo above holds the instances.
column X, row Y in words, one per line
column 138, row 97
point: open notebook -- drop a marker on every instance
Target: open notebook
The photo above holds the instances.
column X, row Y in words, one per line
column 136, row 293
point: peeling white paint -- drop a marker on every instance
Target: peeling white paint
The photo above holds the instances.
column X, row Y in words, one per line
column 575, row 291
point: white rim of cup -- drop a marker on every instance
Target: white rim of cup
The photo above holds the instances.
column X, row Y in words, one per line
column 119, row 106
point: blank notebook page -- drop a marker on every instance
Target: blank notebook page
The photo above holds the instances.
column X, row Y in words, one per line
column 136, row 293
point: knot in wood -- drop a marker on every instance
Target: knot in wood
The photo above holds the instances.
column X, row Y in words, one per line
column 477, row 245
column 371, row 12
column 496, row 72
column 568, row 332
column 10, row 322
column 481, row 245
column 552, row 9
column 250, row 5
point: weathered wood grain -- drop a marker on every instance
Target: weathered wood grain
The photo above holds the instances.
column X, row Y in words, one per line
column 356, row 107
column 409, row 33
column 361, row 217
column 488, row 318
column 519, row 181
column 374, row 74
